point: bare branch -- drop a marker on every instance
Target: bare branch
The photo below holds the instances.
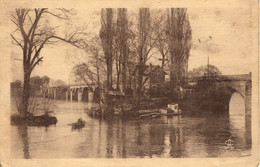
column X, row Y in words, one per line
column 18, row 43
column 63, row 15
column 38, row 61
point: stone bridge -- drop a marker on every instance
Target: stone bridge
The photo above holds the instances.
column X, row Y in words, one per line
column 81, row 92
column 229, row 84
column 238, row 84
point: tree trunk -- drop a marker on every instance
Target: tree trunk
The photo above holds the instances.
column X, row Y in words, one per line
column 26, row 94
column 139, row 84
column 117, row 81
column 123, row 76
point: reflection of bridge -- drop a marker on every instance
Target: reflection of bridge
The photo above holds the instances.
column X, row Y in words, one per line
column 234, row 84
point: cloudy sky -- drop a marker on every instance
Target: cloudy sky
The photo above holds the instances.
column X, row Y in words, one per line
column 229, row 49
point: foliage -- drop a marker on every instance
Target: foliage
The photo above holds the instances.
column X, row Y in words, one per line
column 83, row 72
column 203, row 70
column 37, row 82
column 58, row 83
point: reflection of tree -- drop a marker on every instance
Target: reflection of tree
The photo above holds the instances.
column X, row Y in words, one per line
column 99, row 138
column 123, row 131
column 118, row 139
column 157, row 135
column 22, row 130
column 215, row 129
column 109, row 153
column 176, row 142
column 140, row 137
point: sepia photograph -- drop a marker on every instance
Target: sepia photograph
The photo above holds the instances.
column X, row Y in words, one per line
column 131, row 82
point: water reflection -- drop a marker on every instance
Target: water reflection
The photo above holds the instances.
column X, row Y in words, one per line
column 240, row 124
column 22, row 130
column 180, row 136
column 237, row 105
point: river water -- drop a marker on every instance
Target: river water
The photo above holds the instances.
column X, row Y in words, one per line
column 179, row 136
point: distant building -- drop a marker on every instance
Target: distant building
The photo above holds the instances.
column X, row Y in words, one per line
column 155, row 74
column 16, row 88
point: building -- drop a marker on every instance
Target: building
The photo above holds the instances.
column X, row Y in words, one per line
column 155, row 74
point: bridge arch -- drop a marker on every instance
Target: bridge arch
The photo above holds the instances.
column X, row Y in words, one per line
column 227, row 90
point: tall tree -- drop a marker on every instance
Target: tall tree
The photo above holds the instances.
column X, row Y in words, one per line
column 179, row 43
column 107, row 35
column 143, row 44
column 121, row 38
column 31, row 35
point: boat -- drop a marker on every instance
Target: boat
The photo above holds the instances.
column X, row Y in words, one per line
column 150, row 115
column 170, row 114
column 171, row 110
column 148, row 111
column 78, row 125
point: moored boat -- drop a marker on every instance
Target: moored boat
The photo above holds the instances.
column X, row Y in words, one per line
column 171, row 110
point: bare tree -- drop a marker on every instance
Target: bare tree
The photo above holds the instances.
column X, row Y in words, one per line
column 179, row 43
column 31, row 35
column 143, row 44
column 84, row 72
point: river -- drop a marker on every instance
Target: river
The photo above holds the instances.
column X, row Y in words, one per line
column 179, row 136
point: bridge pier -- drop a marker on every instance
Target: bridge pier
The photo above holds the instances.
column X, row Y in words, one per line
column 71, row 95
column 48, row 93
column 248, row 98
column 79, row 95
column 44, row 94
column 54, row 93
column 67, row 95
column 90, row 96
column 248, row 105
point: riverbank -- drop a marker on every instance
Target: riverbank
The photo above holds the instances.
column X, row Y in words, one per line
column 31, row 120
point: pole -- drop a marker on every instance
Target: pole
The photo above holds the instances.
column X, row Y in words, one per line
column 208, row 66
column 69, row 81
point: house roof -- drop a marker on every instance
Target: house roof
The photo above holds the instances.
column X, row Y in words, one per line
column 150, row 69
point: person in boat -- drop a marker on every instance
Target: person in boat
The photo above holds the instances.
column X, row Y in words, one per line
column 80, row 120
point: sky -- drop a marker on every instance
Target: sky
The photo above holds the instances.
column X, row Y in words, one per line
column 229, row 49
